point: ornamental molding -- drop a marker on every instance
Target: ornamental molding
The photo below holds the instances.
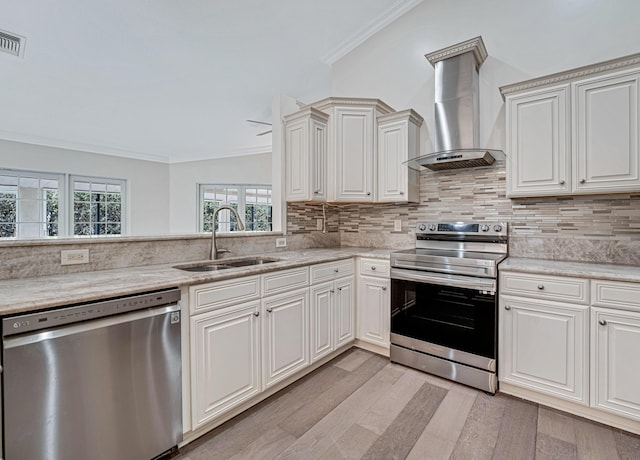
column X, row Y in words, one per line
column 409, row 114
column 307, row 112
column 332, row 102
column 572, row 75
column 475, row 45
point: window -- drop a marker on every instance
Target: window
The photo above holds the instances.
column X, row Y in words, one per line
column 253, row 203
column 97, row 206
column 35, row 204
column 30, row 204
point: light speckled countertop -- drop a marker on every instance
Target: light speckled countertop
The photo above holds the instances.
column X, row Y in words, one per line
column 575, row 269
column 21, row 295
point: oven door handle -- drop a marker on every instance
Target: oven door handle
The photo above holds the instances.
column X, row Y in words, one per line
column 479, row 284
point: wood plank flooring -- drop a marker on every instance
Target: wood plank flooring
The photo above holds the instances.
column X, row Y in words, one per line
column 360, row 406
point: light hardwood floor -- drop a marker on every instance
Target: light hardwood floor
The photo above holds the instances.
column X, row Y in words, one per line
column 360, row 406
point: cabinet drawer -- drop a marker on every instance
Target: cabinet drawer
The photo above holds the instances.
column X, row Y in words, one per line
column 575, row 290
column 374, row 267
column 284, row 280
column 331, row 270
column 616, row 294
column 224, row 293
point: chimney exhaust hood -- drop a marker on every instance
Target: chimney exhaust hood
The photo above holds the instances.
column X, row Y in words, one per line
column 457, row 109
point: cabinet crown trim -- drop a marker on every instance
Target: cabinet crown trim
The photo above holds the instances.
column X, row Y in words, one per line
column 475, row 45
column 309, row 112
column 566, row 76
column 409, row 114
column 329, row 102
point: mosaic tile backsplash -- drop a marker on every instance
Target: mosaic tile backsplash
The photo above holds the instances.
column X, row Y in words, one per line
column 604, row 229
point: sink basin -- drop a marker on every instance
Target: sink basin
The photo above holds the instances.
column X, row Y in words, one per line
column 215, row 265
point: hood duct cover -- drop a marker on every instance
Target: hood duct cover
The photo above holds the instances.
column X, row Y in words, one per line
column 457, row 110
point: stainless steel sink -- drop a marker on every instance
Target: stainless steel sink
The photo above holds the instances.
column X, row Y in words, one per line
column 215, row 265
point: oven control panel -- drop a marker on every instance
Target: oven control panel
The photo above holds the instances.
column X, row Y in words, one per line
column 495, row 229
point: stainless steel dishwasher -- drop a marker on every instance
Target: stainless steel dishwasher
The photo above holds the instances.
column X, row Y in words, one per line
column 100, row 380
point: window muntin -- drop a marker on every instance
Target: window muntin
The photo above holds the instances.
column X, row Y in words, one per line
column 97, row 206
column 253, row 203
column 30, row 204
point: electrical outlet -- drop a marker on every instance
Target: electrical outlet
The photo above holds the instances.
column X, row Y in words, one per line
column 318, row 223
column 74, row 257
column 281, row 242
column 397, row 225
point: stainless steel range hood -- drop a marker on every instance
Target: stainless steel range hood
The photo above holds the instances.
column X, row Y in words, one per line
column 457, row 108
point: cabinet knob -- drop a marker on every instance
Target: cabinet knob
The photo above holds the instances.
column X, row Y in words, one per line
column 269, row 310
column 331, row 291
column 582, row 181
column 257, row 313
column 541, row 286
column 340, row 289
column 561, row 182
column 602, row 322
column 336, row 270
column 507, row 307
column 368, row 193
column 401, row 193
column 384, row 288
column 373, row 268
column 317, row 192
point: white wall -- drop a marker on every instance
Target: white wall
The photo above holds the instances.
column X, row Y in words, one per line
column 524, row 39
column 147, row 181
column 185, row 177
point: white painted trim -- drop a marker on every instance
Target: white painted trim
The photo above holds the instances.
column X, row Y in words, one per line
column 381, row 21
column 80, row 147
column 238, row 152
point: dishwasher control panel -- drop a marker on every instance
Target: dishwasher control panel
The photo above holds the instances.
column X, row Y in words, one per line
column 71, row 314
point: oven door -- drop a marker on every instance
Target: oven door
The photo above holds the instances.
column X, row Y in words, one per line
column 453, row 317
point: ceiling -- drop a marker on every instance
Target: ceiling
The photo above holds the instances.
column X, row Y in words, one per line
column 171, row 80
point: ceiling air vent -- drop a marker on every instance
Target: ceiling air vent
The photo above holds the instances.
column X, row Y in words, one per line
column 11, row 43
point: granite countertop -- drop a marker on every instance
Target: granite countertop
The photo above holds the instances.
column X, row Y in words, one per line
column 575, row 269
column 27, row 294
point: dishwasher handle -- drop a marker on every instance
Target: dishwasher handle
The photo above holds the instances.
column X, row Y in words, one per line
column 92, row 325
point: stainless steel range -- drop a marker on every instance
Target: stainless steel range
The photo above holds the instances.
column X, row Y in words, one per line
column 444, row 302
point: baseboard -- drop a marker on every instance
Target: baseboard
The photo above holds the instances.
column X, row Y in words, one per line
column 378, row 349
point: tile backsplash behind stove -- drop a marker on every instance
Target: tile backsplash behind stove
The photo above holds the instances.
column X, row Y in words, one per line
column 603, row 229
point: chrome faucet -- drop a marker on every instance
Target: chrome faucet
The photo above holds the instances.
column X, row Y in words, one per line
column 214, row 248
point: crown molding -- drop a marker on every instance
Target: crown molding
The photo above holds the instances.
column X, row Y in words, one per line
column 227, row 153
column 329, row 102
column 80, row 146
column 409, row 114
column 475, row 45
column 399, row 8
column 308, row 111
column 573, row 74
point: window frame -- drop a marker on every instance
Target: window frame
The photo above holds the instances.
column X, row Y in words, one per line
column 124, row 220
column 242, row 203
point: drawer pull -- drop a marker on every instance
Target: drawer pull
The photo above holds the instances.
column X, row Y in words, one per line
column 257, row 313
column 541, row 286
column 582, row 181
column 561, row 182
column 602, row 322
column 373, row 268
column 507, row 307
column 336, row 270
column 269, row 310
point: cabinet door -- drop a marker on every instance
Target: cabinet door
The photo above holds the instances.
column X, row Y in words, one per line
column 297, row 161
column 615, row 373
column 538, row 159
column 285, row 334
column 374, row 310
column 321, row 320
column 606, row 134
column 345, row 313
column 393, row 149
column 225, row 360
column 354, row 153
column 544, row 347
column 318, row 151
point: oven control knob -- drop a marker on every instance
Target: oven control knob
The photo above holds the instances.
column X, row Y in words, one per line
column 422, row 227
column 484, row 228
column 497, row 228
column 432, row 227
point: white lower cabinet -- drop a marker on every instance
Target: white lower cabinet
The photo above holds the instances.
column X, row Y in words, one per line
column 374, row 302
column 225, row 358
column 285, row 346
column 332, row 316
column 615, row 377
column 544, row 347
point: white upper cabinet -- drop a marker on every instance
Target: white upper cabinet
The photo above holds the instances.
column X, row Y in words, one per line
column 605, row 111
column 351, row 150
column 575, row 133
column 398, row 142
column 538, row 145
column 306, row 140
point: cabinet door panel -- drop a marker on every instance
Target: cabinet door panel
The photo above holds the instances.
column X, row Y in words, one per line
column 225, row 360
column 606, row 134
column 344, row 308
column 354, row 154
column 374, row 310
column 286, row 324
column 297, row 161
column 537, row 140
column 319, row 160
column 615, row 369
column 321, row 320
column 543, row 346
column 392, row 151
